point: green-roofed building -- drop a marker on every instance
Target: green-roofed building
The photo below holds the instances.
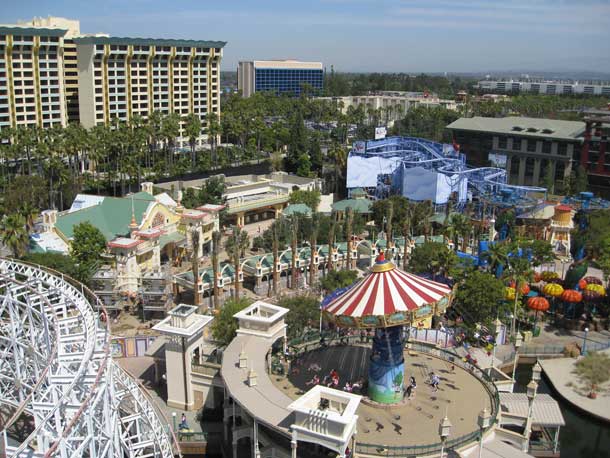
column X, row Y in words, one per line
column 297, row 209
column 528, row 148
column 362, row 206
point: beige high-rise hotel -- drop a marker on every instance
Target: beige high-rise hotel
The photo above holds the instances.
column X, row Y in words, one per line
column 51, row 74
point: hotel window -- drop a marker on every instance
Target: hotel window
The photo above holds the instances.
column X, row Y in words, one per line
column 502, row 142
column 516, row 144
column 531, row 146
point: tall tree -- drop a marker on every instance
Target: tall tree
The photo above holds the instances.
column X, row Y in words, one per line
column 88, row 244
column 235, row 246
column 13, row 234
column 313, row 240
column 297, row 143
column 349, row 220
column 388, row 228
column 192, row 129
column 195, row 238
column 216, row 267
column 294, row 230
column 276, row 259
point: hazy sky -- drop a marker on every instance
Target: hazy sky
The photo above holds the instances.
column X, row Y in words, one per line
column 362, row 35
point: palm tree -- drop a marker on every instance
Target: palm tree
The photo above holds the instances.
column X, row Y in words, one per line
column 215, row 267
column 331, row 241
column 349, row 219
column 236, row 246
column 13, row 234
column 519, row 271
column 275, row 248
column 294, row 229
column 388, row 226
column 214, row 131
column 195, row 234
column 422, row 213
column 460, row 226
column 313, row 235
column 192, row 129
column 29, row 213
column 496, row 256
column 406, row 229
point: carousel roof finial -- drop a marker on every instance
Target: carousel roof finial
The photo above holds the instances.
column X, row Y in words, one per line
column 380, row 257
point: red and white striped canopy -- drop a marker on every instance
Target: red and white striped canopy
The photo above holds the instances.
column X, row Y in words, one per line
column 387, row 290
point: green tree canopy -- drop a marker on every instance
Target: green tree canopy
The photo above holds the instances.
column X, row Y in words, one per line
column 338, row 279
column 309, row 198
column 479, row 298
column 304, row 311
column 13, row 234
column 433, row 258
column 88, row 243
column 59, row 262
column 224, row 326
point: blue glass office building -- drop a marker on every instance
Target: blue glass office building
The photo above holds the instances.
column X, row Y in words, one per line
column 281, row 77
column 287, row 80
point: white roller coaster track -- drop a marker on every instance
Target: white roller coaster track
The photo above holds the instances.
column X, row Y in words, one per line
column 61, row 394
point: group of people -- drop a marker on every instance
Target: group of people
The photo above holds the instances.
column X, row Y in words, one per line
column 410, row 388
column 331, row 380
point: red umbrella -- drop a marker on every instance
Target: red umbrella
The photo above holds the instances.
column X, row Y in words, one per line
column 582, row 283
column 570, row 295
column 538, row 303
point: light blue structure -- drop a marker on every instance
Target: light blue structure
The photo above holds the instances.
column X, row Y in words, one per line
column 421, row 169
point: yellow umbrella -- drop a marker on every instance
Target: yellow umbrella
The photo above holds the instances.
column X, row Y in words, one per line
column 509, row 293
column 596, row 288
column 553, row 289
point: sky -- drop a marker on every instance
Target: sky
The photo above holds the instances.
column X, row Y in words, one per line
column 362, row 35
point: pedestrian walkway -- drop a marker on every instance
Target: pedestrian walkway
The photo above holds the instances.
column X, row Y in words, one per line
column 559, row 373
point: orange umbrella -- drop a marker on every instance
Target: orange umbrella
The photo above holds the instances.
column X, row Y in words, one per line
column 570, row 295
column 582, row 283
column 538, row 303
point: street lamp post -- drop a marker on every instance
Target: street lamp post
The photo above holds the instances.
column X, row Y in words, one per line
column 444, row 430
column 484, row 421
column 532, row 389
column 536, row 371
column 174, row 419
column 518, row 343
column 583, row 352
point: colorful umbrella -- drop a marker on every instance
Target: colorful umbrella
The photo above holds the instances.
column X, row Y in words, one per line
column 582, row 283
column 570, row 295
column 524, row 288
column 592, row 280
column 509, row 293
column 552, row 289
column 539, row 304
column 597, row 288
column 590, row 295
column 549, row 275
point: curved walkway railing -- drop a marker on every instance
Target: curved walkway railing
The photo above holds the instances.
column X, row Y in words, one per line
column 311, row 341
column 81, row 403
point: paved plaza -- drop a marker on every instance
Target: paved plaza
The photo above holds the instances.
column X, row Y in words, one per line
column 559, row 372
column 412, row 422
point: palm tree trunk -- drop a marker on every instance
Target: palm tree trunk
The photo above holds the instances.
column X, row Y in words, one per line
column 216, row 267
column 275, row 259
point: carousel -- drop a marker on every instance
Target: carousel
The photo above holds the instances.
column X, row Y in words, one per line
column 386, row 300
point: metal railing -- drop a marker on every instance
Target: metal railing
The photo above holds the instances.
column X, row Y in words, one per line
column 191, row 436
column 311, row 341
column 205, row 368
